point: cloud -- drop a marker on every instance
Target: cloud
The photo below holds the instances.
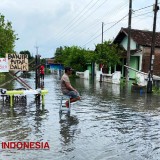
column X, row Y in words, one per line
column 50, row 24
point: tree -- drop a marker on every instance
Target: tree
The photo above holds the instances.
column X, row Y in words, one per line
column 59, row 57
column 77, row 59
column 73, row 56
column 108, row 53
column 90, row 56
column 58, row 51
column 7, row 37
column 43, row 61
column 26, row 52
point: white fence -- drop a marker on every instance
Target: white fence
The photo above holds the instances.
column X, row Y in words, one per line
column 112, row 78
column 142, row 77
column 84, row 74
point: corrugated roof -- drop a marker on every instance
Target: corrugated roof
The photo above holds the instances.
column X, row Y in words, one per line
column 141, row 37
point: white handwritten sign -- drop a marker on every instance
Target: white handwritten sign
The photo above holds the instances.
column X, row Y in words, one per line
column 18, row 62
column 4, row 65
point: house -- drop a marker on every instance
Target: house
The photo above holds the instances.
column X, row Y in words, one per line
column 52, row 65
column 140, row 51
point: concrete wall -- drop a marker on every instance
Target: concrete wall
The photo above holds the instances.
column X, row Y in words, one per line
column 84, row 74
column 125, row 42
column 111, row 78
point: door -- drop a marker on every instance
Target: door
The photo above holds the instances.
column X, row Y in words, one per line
column 134, row 63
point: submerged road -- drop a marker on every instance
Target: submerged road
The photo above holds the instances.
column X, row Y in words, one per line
column 109, row 123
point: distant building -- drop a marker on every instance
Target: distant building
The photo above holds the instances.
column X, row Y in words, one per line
column 49, row 60
column 140, row 51
column 50, row 63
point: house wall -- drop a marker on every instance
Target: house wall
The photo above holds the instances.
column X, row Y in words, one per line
column 140, row 60
column 146, row 61
column 135, row 59
column 125, row 42
column 56, row 66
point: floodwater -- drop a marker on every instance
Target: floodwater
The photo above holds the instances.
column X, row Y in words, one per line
column 109, row 123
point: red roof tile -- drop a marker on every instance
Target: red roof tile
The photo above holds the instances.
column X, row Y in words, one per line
column 141, row 37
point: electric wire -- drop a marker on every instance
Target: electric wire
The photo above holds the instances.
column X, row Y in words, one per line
column 134, row 12
column 88, row 15
column 71, row 26
column 79, row 13
column 124, row 18
column 120, row 7
column 106, row 29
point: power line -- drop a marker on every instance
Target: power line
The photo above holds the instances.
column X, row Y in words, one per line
column 88, row 28
column 79, row 13
column 142, row 14
column 78, row 19
column 118, row 7
column 90, row 14
column 96, row 22
column 107, row 29
column 143, row 8
column 121, row 20
column 114, row 22
column 114, row 25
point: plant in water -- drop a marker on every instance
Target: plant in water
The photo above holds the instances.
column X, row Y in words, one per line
column 122, row 82
column 156, row 90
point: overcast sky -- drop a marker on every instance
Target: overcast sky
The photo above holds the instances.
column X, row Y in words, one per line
column 49, row 24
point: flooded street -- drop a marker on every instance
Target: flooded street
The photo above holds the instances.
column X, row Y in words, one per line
column 109, row 123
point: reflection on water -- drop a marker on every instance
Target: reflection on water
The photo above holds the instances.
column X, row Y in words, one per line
column 42, row 85
column 68, row 129
column 109, row 122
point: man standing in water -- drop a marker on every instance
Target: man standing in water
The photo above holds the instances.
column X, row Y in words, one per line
column 67, row 88
column 42, row 72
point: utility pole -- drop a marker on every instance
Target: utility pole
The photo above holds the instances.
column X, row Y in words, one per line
column 102, row 31
column 36, row 50
column 101, row 50
column 129, row 39
column 37, row 72
column 150, row 73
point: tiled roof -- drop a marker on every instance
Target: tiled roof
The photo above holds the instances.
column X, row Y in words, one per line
column 50, row 61
column 141, row 37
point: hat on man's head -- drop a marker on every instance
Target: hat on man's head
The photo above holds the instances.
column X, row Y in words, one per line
column 68, row 69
